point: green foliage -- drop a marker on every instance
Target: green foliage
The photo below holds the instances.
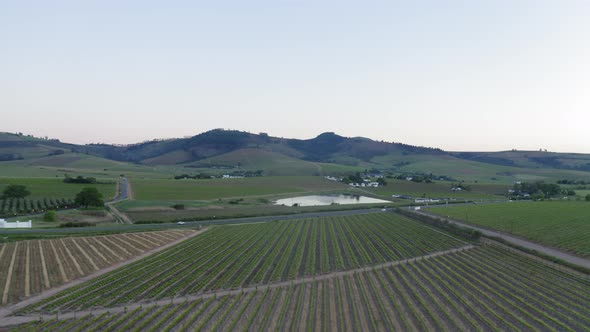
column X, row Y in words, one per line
column 89, row 196
column 76, row 224
column 231, row 257
column 50, row 216
column 79, row 179
column 538, row 190
column 464, row 232
column 15, row 191
column 588, row 198
column 178, row 206
column 561, row 224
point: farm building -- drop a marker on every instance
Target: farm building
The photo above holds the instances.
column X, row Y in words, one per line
column 17, row 224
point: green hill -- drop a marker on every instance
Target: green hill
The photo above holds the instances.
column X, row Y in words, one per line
column 219, row 150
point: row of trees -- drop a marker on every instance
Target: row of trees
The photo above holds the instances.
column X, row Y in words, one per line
column 87, row 197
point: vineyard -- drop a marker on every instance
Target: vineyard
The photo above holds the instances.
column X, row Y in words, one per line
column 563, row 225
column 231, row 257
column 29, row 267
column 486, row 288
column 17, row 206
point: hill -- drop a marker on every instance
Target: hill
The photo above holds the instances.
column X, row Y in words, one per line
column 326, row 154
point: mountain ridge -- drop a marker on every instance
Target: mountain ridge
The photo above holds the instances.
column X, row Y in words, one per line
column 326, row 148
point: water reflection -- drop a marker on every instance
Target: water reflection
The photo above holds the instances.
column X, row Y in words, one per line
column 315, row 200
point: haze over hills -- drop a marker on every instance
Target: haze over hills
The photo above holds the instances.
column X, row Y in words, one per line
column 324, row 154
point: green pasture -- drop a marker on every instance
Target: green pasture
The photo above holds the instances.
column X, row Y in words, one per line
column 209, row 189
column 56, row 188
column 561, row 224
column 439, row 189
column 473, row 171
column 76, row 164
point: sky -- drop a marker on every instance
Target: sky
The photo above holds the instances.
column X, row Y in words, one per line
column 457, row 75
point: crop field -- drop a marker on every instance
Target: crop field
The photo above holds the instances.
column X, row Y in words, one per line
column 29, row 267
column 12, row 207
column 256, row 254
column 485, row 288
column 47, row 188
column 160, row 189
column 562, row 224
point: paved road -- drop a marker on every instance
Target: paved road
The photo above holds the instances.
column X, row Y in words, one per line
column 518, row 241
column 190, row 223
column 122, row 195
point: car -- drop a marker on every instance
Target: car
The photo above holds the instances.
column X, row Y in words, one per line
column 181, row 223
column 383, row 210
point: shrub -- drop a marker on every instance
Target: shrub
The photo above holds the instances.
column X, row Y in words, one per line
column 50, row 216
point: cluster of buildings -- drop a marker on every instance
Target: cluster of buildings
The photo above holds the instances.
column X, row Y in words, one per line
column 364, row 183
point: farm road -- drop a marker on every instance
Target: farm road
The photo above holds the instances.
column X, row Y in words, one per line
column 203, row 223
column 4, row 312
column 15, row 320
column 518, row 241
column 124, row 188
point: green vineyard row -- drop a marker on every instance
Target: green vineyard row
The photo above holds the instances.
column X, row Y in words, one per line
column 231, row 257
column 484, row 289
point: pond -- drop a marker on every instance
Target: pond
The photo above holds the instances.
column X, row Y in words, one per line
column 315, row 200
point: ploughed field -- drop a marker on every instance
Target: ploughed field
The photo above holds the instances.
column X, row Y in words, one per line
column 30, row 267
column 563, row 225
column 231, row 257
column 484, row 288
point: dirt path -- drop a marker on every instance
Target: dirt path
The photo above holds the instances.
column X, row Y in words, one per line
column 4, row 312
column 9, row 275
column 44, row 267
column 7, row 320
column 518, row 241
column 28, row 270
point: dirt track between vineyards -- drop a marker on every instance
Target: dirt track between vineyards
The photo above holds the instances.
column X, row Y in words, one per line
column 518, row 241
column 7, row 320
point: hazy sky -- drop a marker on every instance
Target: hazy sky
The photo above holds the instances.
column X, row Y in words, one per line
column 459, row 75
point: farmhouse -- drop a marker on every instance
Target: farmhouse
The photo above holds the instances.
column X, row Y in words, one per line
column 17, row 224
column 227, row 176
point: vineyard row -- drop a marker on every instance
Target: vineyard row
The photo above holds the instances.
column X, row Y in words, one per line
column 29, row 267
column 237, row 256
column 485, row 289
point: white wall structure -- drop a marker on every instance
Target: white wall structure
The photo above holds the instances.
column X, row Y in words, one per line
column 17, row 224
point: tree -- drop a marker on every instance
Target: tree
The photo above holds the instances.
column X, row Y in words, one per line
column 50, row 216
column 15, row 191
column 382, row 182
column 89, row 197
column 588, row 198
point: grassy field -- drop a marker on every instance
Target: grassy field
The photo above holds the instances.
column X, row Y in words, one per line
column 91, row 216
column 56, row 188
column 440, row 189
column 162, row 190
column 564, row 225
column 275, row 164
column 477, row 171
column 80, row 164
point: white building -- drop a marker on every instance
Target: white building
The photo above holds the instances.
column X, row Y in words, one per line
column 17, row 224
column 426, row 200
